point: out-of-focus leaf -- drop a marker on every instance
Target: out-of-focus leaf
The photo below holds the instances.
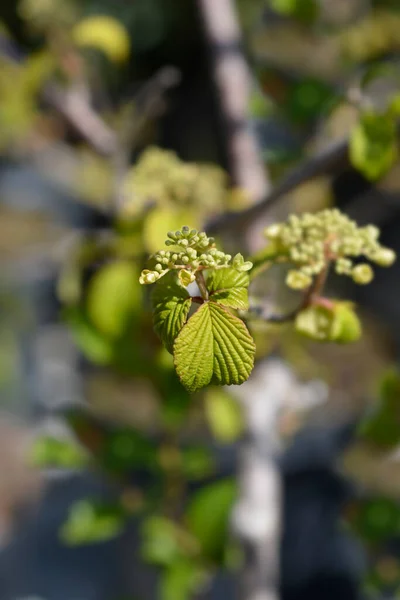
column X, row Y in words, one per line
column 377, row 519
column 161, row 220
column 97, row 347
column 113, row 294
column 208, row 517
column 308, row 100
column 382, row 426
column 125, row 450
column 52, row 452
column 224, row 415
column 164, row 542
column 90, row 523
column 373, row 145
column 103, row 33
column 304, row 10
column 197, row 463
column 338, row 323
column 181, row 580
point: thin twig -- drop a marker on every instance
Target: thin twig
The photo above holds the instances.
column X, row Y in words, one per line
column 328, row 161
column 77, row 111
column 311, row 296
column 144, row 106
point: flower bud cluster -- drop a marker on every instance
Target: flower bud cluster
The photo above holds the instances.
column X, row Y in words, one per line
column 192, row 251
column 312, row 241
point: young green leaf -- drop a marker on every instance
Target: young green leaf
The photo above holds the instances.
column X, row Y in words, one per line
column 382, row 425
column 373, row 145
column 208, row 515
column 89, row 523
column 229, row 287
column 181, row 580
column 213, row 346
column 338, row 323
column 112, row 295
column 171, row 304
column 224, row 415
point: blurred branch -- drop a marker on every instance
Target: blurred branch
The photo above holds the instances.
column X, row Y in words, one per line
column 77, row 111
column 144, row 106
column 257, row 514
column 233, row 82
column 326, row 162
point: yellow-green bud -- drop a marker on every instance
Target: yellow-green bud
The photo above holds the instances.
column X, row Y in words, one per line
column 385, row 257
column 346, row 326
column 362, row 274
column 273, row 231
column 298, row 280
column 147, row 277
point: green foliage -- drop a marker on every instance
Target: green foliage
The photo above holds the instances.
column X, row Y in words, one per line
column 95, row 346
column 229, row 288
column 181, row 580
column 213, row 346
column 336, row 322
column 304, row 10
column 224, row 415
column 112, row 294
column 171, row 305
column 126, row 450
column 382, row 425
column 208, row 515
column 373, row 144
column 377, row 519
column 197, row 463
column 90, row 523
column 165, row 542
column 48, row 451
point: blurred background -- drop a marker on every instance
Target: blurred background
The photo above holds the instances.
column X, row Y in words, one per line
column 121, row 120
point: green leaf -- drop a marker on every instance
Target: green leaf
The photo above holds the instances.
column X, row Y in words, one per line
column 224, row 415
column 112, row 295
column 48, row 451
column 98, row 348
column 382, row 425
column 378, row 519
column 165, row 542
column 304, row 10
column 89, row 523
column 338, row 323
column 373, row 145
column 213, row 345
column 208, row 517
column 181, row 580
column 197, row 463
column 160, row 544
column 163, row 219
column 171, row 304
column 126, row 450
column 229, row 287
